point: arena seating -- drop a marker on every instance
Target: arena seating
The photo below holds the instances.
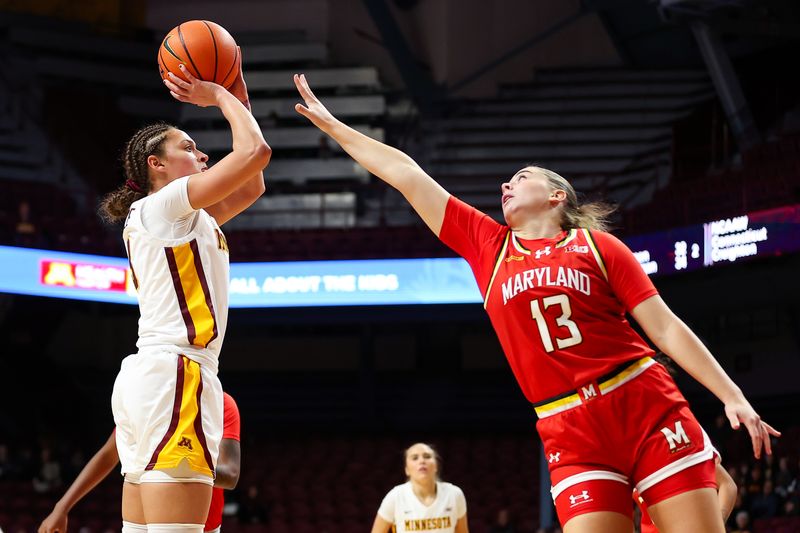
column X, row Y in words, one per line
column 122, row 82
column 608, row 130
column 26, row 152
column 326, row 483
column 365, row 243
column 780, row 524
column 321, row 481
column 769, row 176
column 349, row 92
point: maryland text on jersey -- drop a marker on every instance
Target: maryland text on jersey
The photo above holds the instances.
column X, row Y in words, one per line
column 543, row 277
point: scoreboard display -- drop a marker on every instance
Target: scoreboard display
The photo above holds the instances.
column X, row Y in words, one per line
column 761, row 234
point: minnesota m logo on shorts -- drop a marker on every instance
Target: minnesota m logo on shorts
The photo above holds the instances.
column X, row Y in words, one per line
column 185, row 439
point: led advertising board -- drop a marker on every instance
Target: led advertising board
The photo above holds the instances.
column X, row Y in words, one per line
column 392, row 281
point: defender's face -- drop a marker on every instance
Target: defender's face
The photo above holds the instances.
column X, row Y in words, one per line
column 526, row 194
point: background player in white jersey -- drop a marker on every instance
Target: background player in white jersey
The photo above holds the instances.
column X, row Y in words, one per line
column 167, row 399
column 423, row 503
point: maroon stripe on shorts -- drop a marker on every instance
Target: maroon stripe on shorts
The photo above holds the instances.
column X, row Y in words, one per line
column 201, row 275
column 191, row 333
column 198, row 425
column 176, row 414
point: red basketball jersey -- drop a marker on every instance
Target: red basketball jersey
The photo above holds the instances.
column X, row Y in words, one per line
column 557, row 305
column 230, row 430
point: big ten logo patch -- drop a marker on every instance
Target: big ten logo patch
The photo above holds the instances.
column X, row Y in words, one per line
column 222, row 242
column 678, row 439
column 574, row 248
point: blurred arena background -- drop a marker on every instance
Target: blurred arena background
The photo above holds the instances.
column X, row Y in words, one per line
column 683, row 112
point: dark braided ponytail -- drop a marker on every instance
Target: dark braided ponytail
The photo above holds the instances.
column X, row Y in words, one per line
column 148, row 141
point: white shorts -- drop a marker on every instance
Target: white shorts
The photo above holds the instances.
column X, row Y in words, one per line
column 168, row 413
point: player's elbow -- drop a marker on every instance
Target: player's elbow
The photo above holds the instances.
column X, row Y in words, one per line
column 260, row 154
column 227, row 478
column 233, row 478
column 252, row 157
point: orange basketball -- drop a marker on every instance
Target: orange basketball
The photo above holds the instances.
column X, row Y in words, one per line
column 207, row 49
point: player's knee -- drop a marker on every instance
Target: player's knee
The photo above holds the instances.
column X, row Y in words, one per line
column 132, row 527
column 175, row 528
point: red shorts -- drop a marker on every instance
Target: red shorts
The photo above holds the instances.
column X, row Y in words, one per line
column 632, row 430
column 646, row 523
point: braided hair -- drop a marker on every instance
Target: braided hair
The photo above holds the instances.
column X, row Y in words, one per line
column 148, row 141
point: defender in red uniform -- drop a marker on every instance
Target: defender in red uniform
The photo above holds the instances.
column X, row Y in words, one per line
column 228, row 465
column 557, row 288
column 106, row 458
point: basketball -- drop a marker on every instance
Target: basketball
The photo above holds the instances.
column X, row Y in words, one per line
column 206, row 49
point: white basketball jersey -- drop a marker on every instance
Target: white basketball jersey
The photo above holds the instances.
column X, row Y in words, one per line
column 182, row 283
column 402, row 508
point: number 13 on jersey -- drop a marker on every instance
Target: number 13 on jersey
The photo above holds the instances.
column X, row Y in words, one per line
column 562, row 300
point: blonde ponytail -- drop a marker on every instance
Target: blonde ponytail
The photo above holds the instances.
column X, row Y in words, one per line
column 591, row 215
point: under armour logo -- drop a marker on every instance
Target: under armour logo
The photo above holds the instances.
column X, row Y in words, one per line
column 583, row 497
column 543, row 251
column 185, row 442
column 554, row 457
